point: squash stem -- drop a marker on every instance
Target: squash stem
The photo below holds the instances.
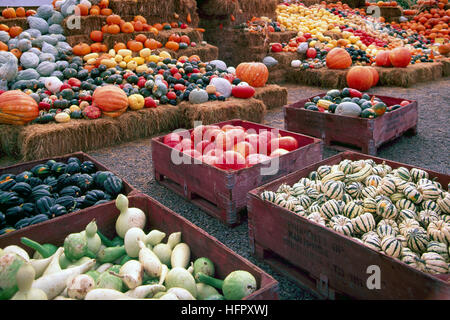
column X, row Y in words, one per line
column 105, row 239
column 216, row 283
column 45, row 250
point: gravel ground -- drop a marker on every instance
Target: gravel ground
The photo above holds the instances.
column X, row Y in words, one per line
column 428, row 149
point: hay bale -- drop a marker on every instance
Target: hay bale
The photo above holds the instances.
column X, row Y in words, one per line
column 324, row 77
column 21, row 22
column 406, row 77
column 445, row 66
column 277, row 74
column 77, row 38
column 145, row 123
column 272, row 95
column 256, row 8
column 48, row 140
column 217, row 7
column 217, row 111
column 285, row 58
column 8, row 140
column 87, row 23
column 156, row 11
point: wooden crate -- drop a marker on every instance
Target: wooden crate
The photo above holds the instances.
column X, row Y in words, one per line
column 354, row 132
column 326, row 262
column 158, row 217
column 222, row 193
column 18, row 168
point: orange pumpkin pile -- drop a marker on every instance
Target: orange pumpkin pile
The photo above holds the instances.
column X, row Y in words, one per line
column 20, row 12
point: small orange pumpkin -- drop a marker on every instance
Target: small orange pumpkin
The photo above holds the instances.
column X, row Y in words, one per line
column 127, row 27
column 135, row 46
column 94, row 12
column 140, row 18
column 83, row 9
column 172, row 45
column 81, row 49
column 151, row 44
column 141, row 38
column 3, row 46
column 30, row 12
column 255, row 74
column 96, row 36
column 9, row 13
column 113, row 29
column 16, row 52
column 338, row 58
column 106, row 12
column 113, row 19
column 20, row 12
column 119, row 45
column 15, row 31
column 98, row 47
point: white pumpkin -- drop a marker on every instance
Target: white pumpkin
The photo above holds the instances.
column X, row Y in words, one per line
column 348, row 109
column 231, row 70
column 296, row 63
column 219, row 64
column 53, row 84
column 222, row 85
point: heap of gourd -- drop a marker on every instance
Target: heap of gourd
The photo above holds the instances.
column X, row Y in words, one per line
column 133, row 265
column 399, row 212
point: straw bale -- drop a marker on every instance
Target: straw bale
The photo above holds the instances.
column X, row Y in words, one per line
column 272, row 95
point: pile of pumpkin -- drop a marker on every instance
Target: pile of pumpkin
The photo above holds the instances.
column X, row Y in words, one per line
column 260, row 24
column 400, row 212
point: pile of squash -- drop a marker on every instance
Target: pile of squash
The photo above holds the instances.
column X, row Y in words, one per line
column 400, row 212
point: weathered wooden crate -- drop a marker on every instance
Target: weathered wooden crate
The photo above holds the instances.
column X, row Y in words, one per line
column 158, row 217
column 326, row 262
column 18, row 168
column 222, row 193
column 353, row 132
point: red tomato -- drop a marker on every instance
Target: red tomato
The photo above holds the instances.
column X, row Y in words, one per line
column 74, row 82
column 244, row 148
column 230, row 160
column 288, row 143
column 255, row 158
column 311, row 53
column 278, row 152
column 149, row 103
column 171, row 95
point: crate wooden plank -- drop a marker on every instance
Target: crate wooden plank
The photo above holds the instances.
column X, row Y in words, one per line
column 330, row 264
column 222, row 193
column 128, row 189
column 158, row 217
column 366, row 134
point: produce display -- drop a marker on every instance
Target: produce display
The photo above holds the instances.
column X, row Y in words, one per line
column 231, row 147
column 352, row 103
column 133, row 265
column 326, row 26
column 53, row 189
column 261, row 24
column 398, row 212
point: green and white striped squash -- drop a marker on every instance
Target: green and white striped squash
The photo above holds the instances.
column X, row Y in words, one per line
column 396, row 197
column 385, row 230
column 321, row 199
column 427, row 216
column 429, row 191
column 430, row 205
column 342, row 225
column 312, row 193
column 413, row 194
column 293, row 200
column 364, row 223
column 298, row 209
column 424, row 181
column 330, row 209
column 358, row 165
column 391, row 246
column 346, row 198
column 410, row 257
column 403, row 204
column 313, row 175
column 400, row 184
column 284, row 188
column 322, row 171
column 406, row 214
column 317, row 218
column 444, row 203
column 403, row 173
column 279, row 200
column 373, row 242
column 354, row 189
column 434, row 263
column 333, row 189
column 379, row 171
column 386, row 186
column 298, row 189
column 446, row 217
column 268, row 196
column 369, row 192
column 402, row 240
column 360, row 174
column 304, row 200
column 346, row 166
column 407, row 225
column 417, row 240
column 439, row 231
column 353, row 209
column 370, row 162
column 386, row 209
column 334, row 176
column 369, row 234
column 314, row 207
column 370, row 205
column 439, row 248
column 304, row 181
column 417, row 174
column 373, row 180
column 390, row 222
column 317, row 185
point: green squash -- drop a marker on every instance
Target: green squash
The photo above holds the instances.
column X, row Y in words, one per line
column 368, row 113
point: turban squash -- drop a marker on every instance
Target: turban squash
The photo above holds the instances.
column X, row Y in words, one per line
column 17, row 107
column 111, row 99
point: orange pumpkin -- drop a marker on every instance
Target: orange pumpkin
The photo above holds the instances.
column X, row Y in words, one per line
column 96, row 36
column 113, row 19
column 152, row 44
column 140, row 18
column 113, row 29
column 375, row 75
column 104, row 4
column 174, row 37
column 338, row 58
column 444, row 49
column 255, row 74
column 20, row 12
column 98, row 47
column 9, row 13
column 105, row 28
column 111, row 100
column 15, row 31
column 359, row 78
column 158, row 26
column 106, row 12
column 135, row 46
column 16, row 52
column 30, row 12
column 141, row 38
column 3, row 46
column 17, row 108
column 172, row 45
column 82, row 9
column 94, row 12
column 4, row 27
column 127, row 27
column 138, row 26
column 400, row 57
column 81, row 49
column 119, row 45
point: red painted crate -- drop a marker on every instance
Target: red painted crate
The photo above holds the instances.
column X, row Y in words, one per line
column 326, row 262
column 158, row 217
column 222, row 193
column 18, row 168
column 354, row 132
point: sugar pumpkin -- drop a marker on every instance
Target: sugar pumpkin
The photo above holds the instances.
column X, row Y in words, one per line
column 338, row 58
column 255, row 74
column 17, row 108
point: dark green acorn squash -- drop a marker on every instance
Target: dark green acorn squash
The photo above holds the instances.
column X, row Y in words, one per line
column 88, row 167
column 67, row 202
column 113, row 185
column 92, row 197
column 44, row 204
column 22, row 188
column 74, row 159
column 56, row 211
column 10, row 199
column 64, row 180
column 14, row 214
column 6, row 185
column 24, row 176
column 100, row 177
column 40, row 170
column 34, row 181
column 73, row 191
column 85, row 182
column 72, row 168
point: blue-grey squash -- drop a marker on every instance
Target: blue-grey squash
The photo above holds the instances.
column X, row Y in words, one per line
column 45, row 11
column 198, row 96
column 29, row 60
column 46, row 57
column 46, row 68
column 270, row 61
column 27, row 74
column 4, row 36
column 55, row 29
column 24, row 45
column 348, row 109
column 38, row 23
